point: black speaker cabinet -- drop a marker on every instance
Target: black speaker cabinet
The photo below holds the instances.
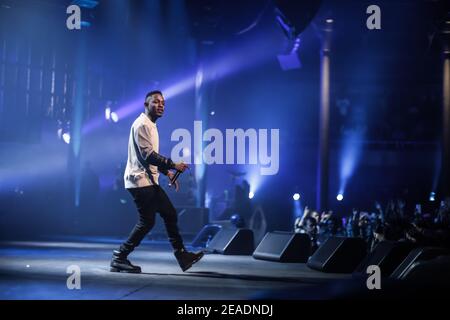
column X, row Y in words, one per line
column 231, row 241
column 432, row 272
column 387, row 255
column 205, row 235
column 416, row 255
column 338, row 255
column 284, row 247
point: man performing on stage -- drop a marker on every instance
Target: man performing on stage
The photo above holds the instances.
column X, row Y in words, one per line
column 141, row 180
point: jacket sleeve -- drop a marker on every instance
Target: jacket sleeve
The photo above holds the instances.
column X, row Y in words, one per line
column 163, row 171
column 147, row 152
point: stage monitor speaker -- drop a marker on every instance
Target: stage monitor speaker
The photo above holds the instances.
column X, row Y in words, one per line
column 284, row 247
column 206, row 235
column 231, row 241
column 387, row 255
column 417, row 255
column 338, row 255
column 432, row 272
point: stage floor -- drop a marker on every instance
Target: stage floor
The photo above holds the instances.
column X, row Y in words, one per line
column 37, row 270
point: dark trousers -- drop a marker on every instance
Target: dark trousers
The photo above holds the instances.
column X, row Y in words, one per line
column 150, row 200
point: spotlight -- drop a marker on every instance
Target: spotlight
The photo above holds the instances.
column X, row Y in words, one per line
column 296, row 196
column 432, row 196
column 339, row 197
column 85, row 24
column 251, row 195
column 114, row 117
column 107, row 113
column 63, row 131
column 88, row 4
column 212, row 113
column 329, row 21
column 66, row 137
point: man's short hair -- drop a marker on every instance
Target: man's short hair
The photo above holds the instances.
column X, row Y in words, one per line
column 150, row 94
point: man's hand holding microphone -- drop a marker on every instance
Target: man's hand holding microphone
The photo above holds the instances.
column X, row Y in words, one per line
column 180, row 168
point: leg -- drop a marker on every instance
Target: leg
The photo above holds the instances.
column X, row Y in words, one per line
column 185, row 258
column 146, row 205
column 145, row 201
column 170, row 218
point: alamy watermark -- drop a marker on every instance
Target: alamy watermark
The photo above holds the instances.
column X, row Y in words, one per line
column 374, row 20
column 74, row 280
column 374, row 279
column 74, row 20
column 235, row 148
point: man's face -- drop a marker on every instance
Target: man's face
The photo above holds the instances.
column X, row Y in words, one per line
column 156, row 105
column 315, row 215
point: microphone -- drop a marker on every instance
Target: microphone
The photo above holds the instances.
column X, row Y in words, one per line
column 175, row 177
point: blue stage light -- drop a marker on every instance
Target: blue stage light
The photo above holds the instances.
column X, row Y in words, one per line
column 66, row 137
column 108, row 113
column 114, row 117
column 432, row 196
